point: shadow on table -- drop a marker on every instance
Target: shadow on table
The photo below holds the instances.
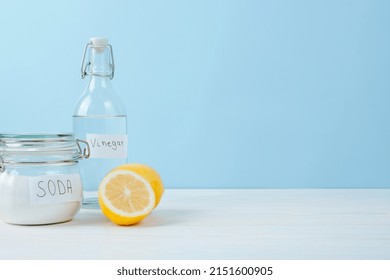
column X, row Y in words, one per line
column 155, row 219
column 88, row 218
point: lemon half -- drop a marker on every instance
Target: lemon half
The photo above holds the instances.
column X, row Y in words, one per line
column 125, row 197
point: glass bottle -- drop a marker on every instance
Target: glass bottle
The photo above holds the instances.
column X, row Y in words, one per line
column 100, row 119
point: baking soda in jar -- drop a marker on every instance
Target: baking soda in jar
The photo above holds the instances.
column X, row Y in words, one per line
column 39, row 179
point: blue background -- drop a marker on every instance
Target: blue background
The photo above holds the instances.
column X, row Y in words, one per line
column 220, row 94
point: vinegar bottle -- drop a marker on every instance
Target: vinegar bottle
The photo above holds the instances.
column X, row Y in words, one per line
column 99, row 119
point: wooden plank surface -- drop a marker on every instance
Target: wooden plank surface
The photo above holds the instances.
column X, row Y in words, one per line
column 222, row 224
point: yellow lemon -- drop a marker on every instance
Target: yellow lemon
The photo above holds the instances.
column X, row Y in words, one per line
column 125, row 197
column 149, row 174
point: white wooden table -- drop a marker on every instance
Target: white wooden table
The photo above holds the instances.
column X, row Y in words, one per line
column 221, row 224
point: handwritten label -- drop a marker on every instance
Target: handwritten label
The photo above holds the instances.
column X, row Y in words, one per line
column 107, row 145
column 58, row 188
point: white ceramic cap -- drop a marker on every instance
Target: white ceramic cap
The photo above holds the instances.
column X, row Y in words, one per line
column 99, row 43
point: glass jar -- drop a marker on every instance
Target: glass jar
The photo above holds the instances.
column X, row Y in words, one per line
column 39, row 179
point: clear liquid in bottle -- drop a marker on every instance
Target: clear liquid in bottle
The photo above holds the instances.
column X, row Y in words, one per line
column 99, row 119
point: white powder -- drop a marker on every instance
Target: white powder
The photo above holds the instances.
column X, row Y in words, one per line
column 46, row 199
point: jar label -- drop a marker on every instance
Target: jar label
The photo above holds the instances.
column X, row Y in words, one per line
column 56, row 188
column 107, row 145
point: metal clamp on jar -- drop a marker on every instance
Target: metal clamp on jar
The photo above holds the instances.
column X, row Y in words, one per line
column 39, row 179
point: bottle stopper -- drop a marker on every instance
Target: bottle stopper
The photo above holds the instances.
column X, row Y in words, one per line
column 98, row 43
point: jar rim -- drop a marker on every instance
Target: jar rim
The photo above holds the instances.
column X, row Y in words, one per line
column 39, row 148
column 35, row 137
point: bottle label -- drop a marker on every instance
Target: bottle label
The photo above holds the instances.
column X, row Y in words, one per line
column 107, row 145
column 56, row 188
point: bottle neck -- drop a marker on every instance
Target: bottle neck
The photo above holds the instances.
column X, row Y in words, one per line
column 100, row 63
column 99, row 82
column 100, row 70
